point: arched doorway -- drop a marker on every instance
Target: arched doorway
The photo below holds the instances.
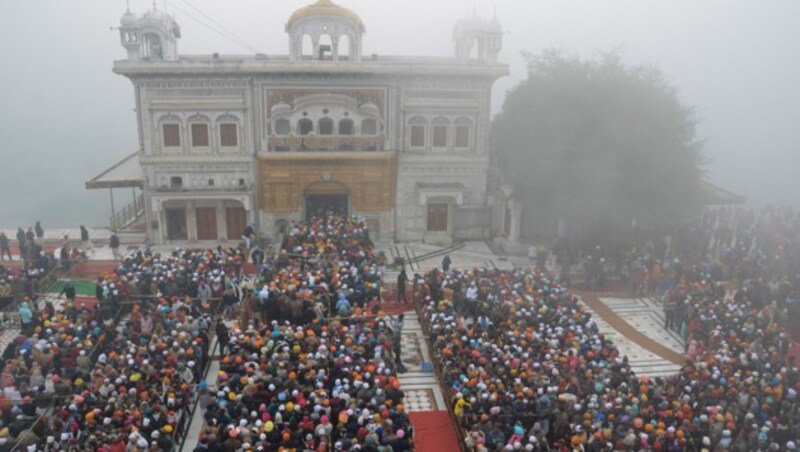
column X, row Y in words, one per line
column 323, row 198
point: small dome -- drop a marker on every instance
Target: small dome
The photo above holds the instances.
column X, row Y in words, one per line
column 128, row 19
column 325, row 8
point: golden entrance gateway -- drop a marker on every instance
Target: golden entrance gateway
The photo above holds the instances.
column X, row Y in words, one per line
column 288, row 180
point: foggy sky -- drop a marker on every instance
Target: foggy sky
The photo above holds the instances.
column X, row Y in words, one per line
column 64, row 116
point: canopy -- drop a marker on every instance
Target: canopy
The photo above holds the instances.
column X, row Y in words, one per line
column 126, row 173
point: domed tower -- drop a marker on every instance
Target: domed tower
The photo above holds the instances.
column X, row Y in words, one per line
column 478, row 39
column 153, row 36
column 331, row 31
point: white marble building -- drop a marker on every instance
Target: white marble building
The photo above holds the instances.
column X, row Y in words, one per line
column 225, row 140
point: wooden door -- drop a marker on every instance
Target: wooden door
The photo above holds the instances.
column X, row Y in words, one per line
column 236, row 220
column 437, row 217
column 206, row 223
column 176, row 224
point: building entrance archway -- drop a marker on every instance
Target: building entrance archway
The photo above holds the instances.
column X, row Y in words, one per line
column 320, row 205
column 324, row 198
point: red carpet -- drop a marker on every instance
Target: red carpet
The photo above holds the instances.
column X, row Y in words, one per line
column 394, row 309
column 433, row 432
column 389, row 293
column 90, row 270
column 794, row 352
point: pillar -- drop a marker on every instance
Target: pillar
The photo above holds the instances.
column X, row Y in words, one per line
column 516, row 221
column 315, row 47
column 162, row 227
column 191, row 222
column 113, row 214
column 222, row 221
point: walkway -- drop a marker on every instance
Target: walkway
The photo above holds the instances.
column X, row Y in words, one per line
column 421, row 388
column 646, row 355
column 424, row 401
column 647, row 316
column 197, row 423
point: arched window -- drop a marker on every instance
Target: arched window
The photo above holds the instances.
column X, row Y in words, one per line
column 417, row 129
column 282, row 127
column 304, row 126
column 152, row 47
column 228, row 131
column 325, row 47
column 441, row 128
column 170, row 127
column 369, row 126
column 463, row 133
column 346, row 127
column 474, row 49
column 171, row 134
column 325, row 126
column 198, row 126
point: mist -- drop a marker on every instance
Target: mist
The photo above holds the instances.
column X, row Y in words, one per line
column 66, row 117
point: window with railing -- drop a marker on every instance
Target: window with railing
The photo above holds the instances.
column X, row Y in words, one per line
column 327, row 134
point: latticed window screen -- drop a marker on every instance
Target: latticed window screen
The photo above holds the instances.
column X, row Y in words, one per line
column 172, row 135
column 417, row 136
column 200, row 135
column 227, row 135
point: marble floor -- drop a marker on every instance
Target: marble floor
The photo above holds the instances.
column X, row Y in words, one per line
column 421, row 388
column 642, row 361
column 473, row 254
column 647, row 316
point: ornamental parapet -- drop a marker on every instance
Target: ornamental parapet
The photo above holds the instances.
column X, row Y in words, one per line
column 286, row 143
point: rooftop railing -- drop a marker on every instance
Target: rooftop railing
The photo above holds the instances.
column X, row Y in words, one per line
column 287, row 143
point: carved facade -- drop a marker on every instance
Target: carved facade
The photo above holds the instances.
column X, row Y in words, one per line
column 402, row 141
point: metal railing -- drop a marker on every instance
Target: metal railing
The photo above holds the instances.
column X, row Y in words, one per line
column 327, row 142
column 439, row 371
column 128, row 214
column 9, row 306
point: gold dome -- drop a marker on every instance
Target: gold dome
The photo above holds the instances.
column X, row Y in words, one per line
column 325, row 8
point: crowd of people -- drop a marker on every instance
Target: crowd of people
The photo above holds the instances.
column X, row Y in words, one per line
column 311, row 363
column 527, row 368
column 121, row 373
column 37, row 262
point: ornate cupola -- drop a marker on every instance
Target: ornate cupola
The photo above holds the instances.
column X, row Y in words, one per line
column 477, row 39
column 330, row 32
column 153, row 36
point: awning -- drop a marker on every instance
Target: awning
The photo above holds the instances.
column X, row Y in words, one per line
column 440, row 186
column 126, row 173
column 714, row 195
column 429, row 190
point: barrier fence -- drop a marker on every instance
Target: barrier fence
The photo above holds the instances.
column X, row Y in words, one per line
column 437, row 367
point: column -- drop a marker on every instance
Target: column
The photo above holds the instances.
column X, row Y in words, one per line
column 516, row 221
column 191, row 222
column 162, row 225
column 113, row 214
column 315, row 47
column 222, row 221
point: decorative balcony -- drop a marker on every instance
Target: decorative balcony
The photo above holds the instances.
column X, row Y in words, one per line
column 288, row 143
